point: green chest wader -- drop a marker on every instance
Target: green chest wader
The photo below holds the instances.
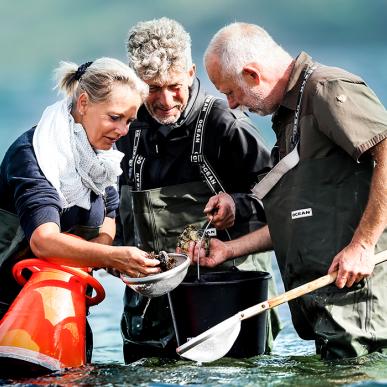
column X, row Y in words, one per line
column 312, row 212
column 160, row 215
column 14, row 247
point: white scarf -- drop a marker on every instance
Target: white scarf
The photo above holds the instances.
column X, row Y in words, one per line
column 67, row 159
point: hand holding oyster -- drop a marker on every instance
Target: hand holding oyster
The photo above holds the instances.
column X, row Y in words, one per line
column 193, row 233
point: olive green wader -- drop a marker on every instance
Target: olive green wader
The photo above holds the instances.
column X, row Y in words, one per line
column 13, row 248
column 312, row 212
column 160, row 215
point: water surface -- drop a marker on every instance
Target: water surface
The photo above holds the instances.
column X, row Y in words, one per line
column 293, row 362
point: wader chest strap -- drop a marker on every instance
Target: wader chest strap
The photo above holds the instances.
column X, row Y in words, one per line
column 296, row 130
column 261, row 189
column 197, row 156
column 136, row 163
column 273, row 177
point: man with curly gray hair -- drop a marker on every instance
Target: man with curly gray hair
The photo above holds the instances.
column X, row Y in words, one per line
column 160, row 53
column 183, row 153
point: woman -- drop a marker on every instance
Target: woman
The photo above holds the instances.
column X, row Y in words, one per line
column 59, row 178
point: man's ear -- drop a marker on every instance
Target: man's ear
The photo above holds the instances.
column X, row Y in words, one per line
column 191, row 74
column 251, row 74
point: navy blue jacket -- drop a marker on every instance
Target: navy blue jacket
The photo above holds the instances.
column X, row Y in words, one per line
column 26, row 192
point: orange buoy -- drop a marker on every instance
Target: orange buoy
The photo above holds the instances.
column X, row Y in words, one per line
column 45, row 327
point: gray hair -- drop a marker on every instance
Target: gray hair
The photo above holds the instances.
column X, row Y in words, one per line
column 158, row 46
column 97, row 80
column 241, row 43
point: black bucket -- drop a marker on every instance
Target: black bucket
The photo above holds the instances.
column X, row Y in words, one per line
column 198, row 305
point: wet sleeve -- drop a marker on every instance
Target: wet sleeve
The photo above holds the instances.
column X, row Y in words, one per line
column 111, row 202
column 36, row 200
column 351, row 115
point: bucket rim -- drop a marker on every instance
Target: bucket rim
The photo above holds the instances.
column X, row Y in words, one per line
column 263, row 275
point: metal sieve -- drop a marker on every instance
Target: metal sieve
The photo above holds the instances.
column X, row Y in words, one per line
column 161, row 283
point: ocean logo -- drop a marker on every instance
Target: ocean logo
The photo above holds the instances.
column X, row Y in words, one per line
column 303, row 213
column 211, row 232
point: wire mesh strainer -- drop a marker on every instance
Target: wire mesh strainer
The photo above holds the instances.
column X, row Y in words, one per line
column 161, row 283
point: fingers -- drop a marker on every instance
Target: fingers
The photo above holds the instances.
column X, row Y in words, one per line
column 146, row 270
column 348, row 277
column 217, row 254
column 150, row 262
column 334, row 266
column 197, row 253
column 139, row 265
column 353, row 263
column 211, row 205
column 342, row 273
column 223, row 218
column 345, row 280
column 222, row 208
column 351, row 278
column 191, row 250
column 360, row 277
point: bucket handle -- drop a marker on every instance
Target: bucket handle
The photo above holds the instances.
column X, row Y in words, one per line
column 36, row 265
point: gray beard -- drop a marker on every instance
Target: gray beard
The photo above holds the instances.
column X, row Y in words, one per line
column 166, row 121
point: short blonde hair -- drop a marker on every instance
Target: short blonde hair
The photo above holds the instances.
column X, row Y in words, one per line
column 97, row 79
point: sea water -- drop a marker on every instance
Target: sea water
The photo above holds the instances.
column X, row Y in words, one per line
column 292, row 363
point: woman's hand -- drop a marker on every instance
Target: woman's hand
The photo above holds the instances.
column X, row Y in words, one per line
column 47, row 242
column 134, row 262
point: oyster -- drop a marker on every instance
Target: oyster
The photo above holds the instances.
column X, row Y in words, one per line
column 195, row 234
column 166, row 261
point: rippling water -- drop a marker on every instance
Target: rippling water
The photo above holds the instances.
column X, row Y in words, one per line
column 292, row 363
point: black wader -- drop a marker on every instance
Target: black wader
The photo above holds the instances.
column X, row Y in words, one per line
column 312, row 212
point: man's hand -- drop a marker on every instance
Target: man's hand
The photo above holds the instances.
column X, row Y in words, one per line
column 353, row 263
column 220, row 209
column 357, row 261
column 219, row 252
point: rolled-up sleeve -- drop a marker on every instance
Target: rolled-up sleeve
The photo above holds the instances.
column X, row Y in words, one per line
column 351, row 115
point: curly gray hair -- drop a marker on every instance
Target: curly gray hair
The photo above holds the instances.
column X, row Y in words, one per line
column 157, row 47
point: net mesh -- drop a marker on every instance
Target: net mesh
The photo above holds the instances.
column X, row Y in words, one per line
column 216, row 345
column 158, row 288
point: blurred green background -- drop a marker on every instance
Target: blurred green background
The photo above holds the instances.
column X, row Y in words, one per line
column 36, row 34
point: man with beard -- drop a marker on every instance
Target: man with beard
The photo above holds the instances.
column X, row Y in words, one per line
column 325, row 199
column 182, row 154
